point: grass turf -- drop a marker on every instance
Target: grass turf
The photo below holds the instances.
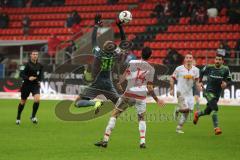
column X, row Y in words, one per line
column 53, row 139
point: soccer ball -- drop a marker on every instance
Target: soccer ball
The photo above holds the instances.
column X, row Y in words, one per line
column 125, row 16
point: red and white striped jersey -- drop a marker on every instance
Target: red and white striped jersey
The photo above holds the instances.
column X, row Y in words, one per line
column 139, row 73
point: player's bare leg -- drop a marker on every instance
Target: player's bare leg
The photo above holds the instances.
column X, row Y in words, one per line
column 142, row 129
column 20, row 109
column 35, row 108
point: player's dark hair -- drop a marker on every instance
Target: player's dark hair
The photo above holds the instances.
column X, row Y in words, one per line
column 34, row 51
column 146, row 53
column 219, row 55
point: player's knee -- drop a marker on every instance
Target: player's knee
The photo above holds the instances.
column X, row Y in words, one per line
column 23, row 101
column 208, row 110
column 37, row 98
column 214, row 112
column 141, row 117
column 116, row 113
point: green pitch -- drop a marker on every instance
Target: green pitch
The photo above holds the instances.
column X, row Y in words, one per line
column 53, row 139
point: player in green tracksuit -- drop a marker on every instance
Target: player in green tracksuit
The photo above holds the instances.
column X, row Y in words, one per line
column 218, row 78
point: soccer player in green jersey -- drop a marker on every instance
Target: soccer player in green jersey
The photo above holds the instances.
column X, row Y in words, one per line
column 104, row 61
column 218, row 78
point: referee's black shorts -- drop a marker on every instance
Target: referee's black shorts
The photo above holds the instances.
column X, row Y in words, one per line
column 28, row 88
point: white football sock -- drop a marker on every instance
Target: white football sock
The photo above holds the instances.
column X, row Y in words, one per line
column 109, row 128
column 142, row 131
column 182, row 120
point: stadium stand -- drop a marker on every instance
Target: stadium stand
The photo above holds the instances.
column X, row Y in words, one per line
column 145, row 29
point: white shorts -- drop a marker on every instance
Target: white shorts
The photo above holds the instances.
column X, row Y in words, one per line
column 186, row 102
column 123, row 103
column 140, row 106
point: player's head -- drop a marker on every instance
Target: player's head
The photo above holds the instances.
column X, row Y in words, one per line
column 109, row 47
column 146, row 53
column 188, row 60
column 34, row 55
column 218, row 60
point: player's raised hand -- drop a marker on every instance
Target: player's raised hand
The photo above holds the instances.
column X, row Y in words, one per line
column 118, row 22
column 161, row 102
column 223, row 85
column 98, row 19
column 32, row 78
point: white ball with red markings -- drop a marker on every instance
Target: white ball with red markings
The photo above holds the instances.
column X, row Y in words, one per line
column 125, row 16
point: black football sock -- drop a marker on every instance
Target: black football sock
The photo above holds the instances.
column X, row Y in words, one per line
column 20, row 109
column 35, row 109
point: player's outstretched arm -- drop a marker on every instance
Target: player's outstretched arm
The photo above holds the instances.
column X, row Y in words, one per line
column 120, row 27
column 203, row 72
column 98, row 23
column 227, row 79
column 172, row 81
column 122, row 78
column 151, row 92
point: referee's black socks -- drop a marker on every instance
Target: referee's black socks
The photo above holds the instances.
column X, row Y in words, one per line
column 20, row 109
column 35, row 108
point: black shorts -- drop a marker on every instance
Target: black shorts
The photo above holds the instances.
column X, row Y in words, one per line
column 26, row 89
column 211, row 96
column 212, row 100
column 101, row 86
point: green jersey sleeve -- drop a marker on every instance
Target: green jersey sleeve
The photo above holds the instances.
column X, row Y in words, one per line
column 203, row 72
column 227, row 75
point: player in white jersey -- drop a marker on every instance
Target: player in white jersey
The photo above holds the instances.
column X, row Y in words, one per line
column 185, row 75
column 140, row 75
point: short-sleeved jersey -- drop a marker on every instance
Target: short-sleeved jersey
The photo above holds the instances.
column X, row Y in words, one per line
column 139, row 73
column 215, row 76
column 185, row 79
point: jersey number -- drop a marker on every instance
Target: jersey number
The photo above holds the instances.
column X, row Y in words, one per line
column 141, row 76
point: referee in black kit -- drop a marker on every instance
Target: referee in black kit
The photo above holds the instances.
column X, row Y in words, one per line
column 32, row 74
